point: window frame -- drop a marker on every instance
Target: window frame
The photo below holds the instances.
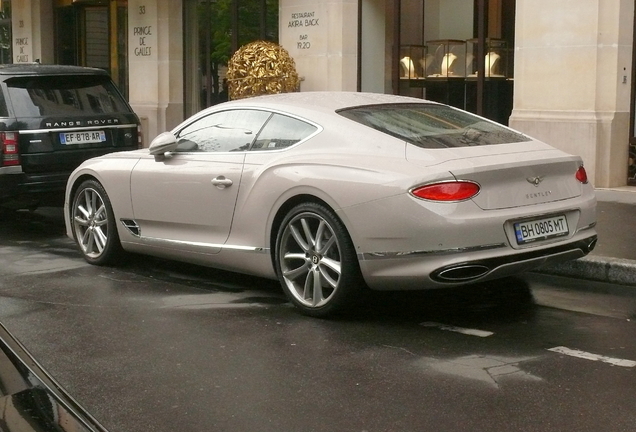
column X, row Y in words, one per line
column 207, row 113
column 270, row 119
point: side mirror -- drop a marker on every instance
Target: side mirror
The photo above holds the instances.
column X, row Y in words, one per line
column 164, row 143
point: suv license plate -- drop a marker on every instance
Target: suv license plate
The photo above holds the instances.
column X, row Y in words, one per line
column 541, row 229
column 91, row 137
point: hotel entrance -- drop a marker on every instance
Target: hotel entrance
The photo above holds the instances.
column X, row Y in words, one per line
column 93, row 33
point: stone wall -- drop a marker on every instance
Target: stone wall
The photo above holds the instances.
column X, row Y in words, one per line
column 321, row 36
column 573, row 80
column 155, row 59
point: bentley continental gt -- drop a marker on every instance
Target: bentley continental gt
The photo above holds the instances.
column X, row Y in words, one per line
column 333, row 193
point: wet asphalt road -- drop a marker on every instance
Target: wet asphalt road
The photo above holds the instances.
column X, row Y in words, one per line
column 161, row 346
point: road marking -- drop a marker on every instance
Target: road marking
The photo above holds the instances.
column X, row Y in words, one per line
column 593, row 357
column 462, row 330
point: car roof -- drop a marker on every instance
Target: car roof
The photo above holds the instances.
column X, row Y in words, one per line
column 324, row 100
column 30, row 69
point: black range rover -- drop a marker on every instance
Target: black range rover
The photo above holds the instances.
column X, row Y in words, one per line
column 52, row 118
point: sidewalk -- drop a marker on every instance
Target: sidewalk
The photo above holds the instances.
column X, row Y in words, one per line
column 614, row 258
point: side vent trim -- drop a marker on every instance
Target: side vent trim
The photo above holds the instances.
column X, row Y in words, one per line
column 132, row 226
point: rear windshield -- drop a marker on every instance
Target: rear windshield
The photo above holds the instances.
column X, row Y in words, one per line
column 64, row 95
column 432, row 126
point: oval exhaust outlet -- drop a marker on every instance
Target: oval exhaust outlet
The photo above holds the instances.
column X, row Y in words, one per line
column 461, row 273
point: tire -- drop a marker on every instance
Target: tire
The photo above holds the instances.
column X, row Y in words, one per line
column 94, row 225
column 316, row 261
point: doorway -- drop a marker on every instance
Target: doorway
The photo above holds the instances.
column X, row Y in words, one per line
column 93, row 33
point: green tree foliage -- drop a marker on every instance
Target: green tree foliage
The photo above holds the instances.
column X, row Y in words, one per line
column 216, row 17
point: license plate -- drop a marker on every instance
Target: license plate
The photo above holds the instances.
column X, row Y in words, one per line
column 90, row 137
column 541, row 229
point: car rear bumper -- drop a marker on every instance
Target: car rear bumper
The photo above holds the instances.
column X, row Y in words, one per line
column 18, row 189
column 448, row 269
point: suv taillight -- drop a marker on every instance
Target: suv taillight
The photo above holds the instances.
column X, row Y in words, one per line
column 140, row 137
column 10, row 153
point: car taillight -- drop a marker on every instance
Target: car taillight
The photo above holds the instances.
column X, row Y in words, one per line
column 140, row 140
column 10, row 153
column 447, row 191
column 581, row 175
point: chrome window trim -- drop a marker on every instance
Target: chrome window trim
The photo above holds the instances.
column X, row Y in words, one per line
column 318, row 127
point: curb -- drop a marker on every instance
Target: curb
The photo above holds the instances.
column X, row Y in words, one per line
column 596, row 268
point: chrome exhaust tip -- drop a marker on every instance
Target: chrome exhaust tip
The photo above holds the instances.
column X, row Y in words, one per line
column 460, row 273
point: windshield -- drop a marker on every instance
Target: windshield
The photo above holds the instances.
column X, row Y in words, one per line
column 432, row 126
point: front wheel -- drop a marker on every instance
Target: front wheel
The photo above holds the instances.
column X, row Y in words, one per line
column 93, row 223
column 316, row 261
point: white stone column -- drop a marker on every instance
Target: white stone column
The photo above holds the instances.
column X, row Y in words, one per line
column 155, row 59
column 32, row 31
column 321, row 36
column 573, row 80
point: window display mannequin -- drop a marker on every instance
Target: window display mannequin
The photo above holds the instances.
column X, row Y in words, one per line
column 447, row 64
column 408, row 68
column 492, row 64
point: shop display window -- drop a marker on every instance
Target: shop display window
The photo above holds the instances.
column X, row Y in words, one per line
column 412, row 61
column 445, row 58
column 496, row 58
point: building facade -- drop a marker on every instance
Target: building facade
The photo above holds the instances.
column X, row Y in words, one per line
column 561, row 71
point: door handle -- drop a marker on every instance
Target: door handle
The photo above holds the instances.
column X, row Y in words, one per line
column 221, row 182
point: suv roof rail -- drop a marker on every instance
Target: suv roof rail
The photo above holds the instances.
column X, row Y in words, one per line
column 37, row 68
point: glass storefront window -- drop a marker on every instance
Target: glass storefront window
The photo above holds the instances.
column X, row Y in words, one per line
column 435, row 48
column 5, row 32
column 214, row 29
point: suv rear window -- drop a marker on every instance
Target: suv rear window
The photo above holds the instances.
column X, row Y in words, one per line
column 64, row 95
column 432, row 126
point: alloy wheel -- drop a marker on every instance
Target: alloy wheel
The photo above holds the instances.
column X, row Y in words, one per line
column 310, row 259
column 90, row 222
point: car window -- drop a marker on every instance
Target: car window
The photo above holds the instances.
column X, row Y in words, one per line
column 232, row 130
column 282, row 131
column 432, row 126
column 64, row 95
column 4, row 112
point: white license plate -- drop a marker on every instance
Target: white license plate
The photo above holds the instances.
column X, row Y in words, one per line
column 89, row 137
column 541, row 229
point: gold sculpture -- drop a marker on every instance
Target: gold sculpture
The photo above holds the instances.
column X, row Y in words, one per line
column 259, row 68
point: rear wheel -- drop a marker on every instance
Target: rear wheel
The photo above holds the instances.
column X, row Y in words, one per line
column 316, row 261
column 93, row 223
